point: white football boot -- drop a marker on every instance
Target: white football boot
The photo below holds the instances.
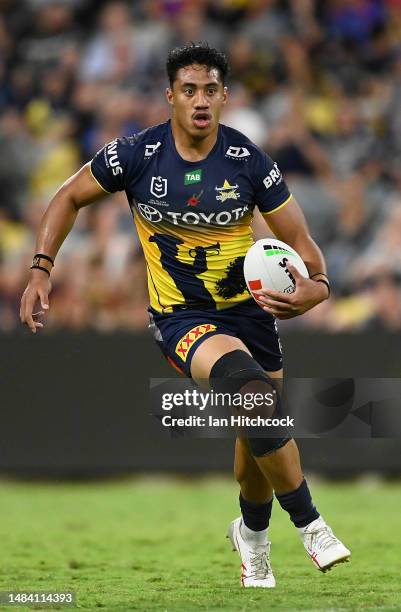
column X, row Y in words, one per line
column 255, row 562
column 322, row 546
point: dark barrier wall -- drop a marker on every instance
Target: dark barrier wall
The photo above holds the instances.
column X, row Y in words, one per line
column 77, row 405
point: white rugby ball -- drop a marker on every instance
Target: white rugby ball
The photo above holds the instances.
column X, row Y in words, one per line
column 265, row 266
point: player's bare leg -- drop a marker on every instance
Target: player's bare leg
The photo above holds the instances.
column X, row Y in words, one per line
column 253, row 483
column 281, row 468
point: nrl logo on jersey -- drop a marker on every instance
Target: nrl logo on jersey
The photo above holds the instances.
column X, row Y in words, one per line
column 151, row 148
column 237, row 152
column 158, row 186
column 227, row 192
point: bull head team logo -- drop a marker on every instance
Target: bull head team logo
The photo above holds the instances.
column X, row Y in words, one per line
column 158, row 186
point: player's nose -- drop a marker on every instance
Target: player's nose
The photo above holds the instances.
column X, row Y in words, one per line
column 201, row 100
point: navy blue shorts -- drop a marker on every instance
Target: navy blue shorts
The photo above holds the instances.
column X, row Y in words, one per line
column 179, row 334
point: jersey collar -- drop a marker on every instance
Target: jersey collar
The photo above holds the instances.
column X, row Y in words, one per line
column 211, row 154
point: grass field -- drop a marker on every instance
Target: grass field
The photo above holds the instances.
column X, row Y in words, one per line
column 160, row 545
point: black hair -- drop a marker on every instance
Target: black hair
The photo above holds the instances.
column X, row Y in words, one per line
column 199, row 53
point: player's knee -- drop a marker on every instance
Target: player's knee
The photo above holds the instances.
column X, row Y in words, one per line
column 239, row 372
column 235, row 370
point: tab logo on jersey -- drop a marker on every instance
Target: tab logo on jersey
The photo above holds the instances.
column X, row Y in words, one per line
column 195, row 176
column 273, row 178
column 158, row 186
column 151, row 148
column 237, row 152
column 227, row 192
column 184, row 345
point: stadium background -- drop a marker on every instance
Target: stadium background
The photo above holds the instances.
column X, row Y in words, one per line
column 318, row 84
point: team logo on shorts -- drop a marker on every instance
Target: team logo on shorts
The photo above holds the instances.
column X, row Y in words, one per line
column 187, row 341
column 158, row 186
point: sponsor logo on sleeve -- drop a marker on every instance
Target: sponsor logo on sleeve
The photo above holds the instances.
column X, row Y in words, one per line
column 111, row 157
column 237, row 152
column 158, row 187
column 273, row 178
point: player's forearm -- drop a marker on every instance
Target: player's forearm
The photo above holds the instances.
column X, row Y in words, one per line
column 56, row 224
column 79, row 190
column 289, row 225
column 310, row 253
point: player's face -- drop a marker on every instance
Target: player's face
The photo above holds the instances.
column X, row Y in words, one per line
column 197, row 97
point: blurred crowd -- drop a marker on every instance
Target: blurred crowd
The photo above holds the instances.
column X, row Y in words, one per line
column 316, row 83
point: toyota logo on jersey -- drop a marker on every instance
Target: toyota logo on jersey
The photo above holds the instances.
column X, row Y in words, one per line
column 149, row 213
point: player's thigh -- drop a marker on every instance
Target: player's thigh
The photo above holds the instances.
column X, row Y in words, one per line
column 210, row 351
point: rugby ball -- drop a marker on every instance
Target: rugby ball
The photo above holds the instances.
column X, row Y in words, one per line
column 265, row 266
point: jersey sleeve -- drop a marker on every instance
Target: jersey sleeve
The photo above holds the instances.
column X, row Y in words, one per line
column 271, row 191
column 112, row 164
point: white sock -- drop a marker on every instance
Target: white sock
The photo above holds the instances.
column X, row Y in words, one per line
column 253, row 538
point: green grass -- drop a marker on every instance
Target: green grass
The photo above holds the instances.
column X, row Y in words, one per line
column 160, row 545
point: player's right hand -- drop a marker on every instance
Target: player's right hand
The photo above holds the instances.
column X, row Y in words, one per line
column 36, row 292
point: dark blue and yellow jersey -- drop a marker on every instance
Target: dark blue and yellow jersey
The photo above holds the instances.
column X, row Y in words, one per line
column 193, row 218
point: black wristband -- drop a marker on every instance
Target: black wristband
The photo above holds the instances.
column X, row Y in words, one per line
column 321, row 280
column 36, row 267
column 41, row 256
column 317, row 274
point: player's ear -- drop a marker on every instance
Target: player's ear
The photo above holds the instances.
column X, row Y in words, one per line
column 169, row 95
column 225, row 95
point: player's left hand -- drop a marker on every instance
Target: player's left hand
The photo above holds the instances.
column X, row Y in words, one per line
column 308, row 294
